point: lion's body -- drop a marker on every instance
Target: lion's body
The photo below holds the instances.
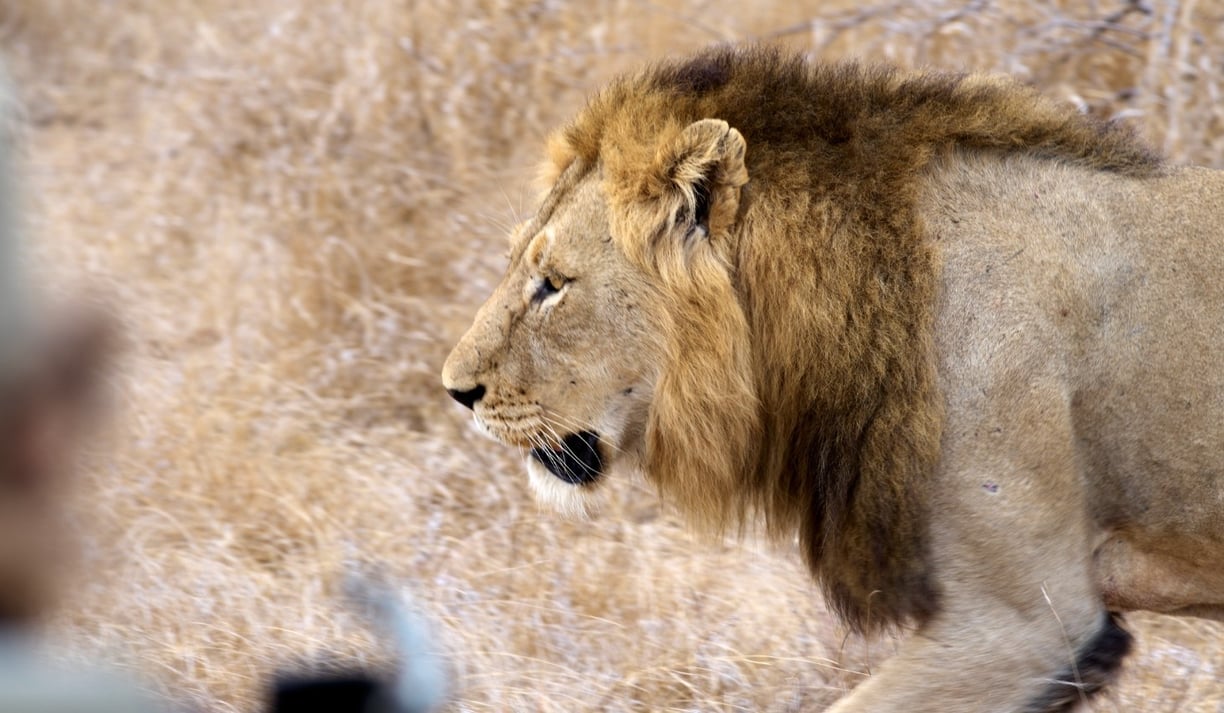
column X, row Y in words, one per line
column 1101, row 295
column 963, row 341
column 1082, row 368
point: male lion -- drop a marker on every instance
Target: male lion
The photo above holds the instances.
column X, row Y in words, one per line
column 963, row 341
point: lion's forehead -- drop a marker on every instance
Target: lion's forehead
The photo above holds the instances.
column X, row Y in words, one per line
column 572, row 209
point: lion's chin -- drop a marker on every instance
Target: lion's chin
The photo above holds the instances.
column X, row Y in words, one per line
column 568, row 499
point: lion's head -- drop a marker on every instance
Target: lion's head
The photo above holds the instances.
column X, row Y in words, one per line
column 567, row 357
column 562, row 358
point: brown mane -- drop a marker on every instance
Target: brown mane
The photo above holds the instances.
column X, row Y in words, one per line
column 800, row 384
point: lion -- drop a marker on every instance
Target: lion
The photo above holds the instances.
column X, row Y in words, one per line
column 960, row 340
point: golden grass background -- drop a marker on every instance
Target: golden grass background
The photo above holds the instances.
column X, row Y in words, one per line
column 297, row 206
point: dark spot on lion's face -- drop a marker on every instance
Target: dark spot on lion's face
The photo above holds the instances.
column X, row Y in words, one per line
column 577, row 460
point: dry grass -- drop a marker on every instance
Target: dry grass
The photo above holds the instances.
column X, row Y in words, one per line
column 298, row 205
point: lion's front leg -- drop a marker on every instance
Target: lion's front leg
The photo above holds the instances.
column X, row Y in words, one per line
column 1019, row 631
column 1001, row 663
column 1021, row 626
column 1040, row 648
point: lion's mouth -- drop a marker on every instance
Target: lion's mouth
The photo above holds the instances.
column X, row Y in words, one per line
column 576, row 460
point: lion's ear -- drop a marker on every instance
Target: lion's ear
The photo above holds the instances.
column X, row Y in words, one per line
column 703, row 166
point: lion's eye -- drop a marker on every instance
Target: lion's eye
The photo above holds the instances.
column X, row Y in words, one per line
column 549, row 286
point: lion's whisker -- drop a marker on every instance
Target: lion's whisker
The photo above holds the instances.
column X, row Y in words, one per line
column 575, row 425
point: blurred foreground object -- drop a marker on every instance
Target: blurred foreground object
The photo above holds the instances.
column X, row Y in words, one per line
column 416, row 685
column 50, row 369
column 29, row 684
column 52, row 364
column 48, row 394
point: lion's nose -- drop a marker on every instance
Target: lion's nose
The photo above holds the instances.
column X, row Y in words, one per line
column 467, row 398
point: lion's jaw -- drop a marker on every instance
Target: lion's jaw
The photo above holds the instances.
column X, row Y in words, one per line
column 560, row 360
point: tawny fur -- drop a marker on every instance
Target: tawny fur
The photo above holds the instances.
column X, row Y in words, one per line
column 962, row 340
